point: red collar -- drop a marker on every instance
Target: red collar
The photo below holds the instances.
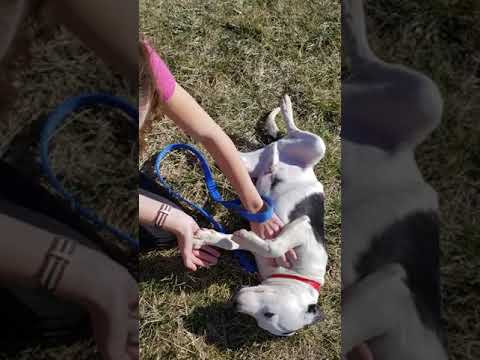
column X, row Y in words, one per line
column 314, row 284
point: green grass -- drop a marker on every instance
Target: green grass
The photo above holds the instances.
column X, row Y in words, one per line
column 237, row 60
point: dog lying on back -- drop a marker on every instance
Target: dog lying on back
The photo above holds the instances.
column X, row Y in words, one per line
column 286, row 300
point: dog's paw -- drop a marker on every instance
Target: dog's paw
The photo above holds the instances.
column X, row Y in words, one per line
column 206, row 235
column 240, row 235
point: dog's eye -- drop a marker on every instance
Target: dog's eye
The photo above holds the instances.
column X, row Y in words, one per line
column 268, row 315
column 312, row 308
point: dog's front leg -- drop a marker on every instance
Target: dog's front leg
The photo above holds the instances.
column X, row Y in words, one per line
column 248, row 240
column 239, row 240
column 211, row 237
column 289, row 238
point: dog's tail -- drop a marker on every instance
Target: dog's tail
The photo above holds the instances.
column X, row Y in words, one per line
column 270, row 125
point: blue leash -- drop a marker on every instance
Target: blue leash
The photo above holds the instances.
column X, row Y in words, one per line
column 57, row 117
column 233, row 205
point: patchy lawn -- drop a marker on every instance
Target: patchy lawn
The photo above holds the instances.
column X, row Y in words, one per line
column 237, row 59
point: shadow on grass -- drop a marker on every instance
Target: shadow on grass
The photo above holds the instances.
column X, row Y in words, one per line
column 170, row 271
column 224, row 328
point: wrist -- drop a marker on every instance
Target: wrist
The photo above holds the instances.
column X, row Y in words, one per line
column 173, row 223
column 89, row 278
column 256, row 205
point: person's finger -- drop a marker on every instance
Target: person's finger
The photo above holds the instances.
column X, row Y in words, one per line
column 186, row 247
column 211, row 250
column 99, row 328
column 133, row 336
column 133, row 339
column 282, row 261
column 268, row 231
column 199, row 262
column 188, row 262
column 258, row 229
column 278, row 221
column 116, row 334
column 212, row 260
column 275, row 228
column 185, row 244
column 291, row 256
column 272, row 262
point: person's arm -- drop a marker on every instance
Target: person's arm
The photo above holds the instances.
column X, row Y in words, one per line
column 182, row 108
column 90, row 279
column 194, row 121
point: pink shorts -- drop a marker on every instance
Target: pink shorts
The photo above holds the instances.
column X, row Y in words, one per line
column 164, row 79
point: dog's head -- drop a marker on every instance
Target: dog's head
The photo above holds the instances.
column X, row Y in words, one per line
column 280, row 310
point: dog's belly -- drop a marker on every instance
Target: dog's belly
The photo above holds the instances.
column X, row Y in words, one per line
column 288, row 196
column 370, row 212
column 292, row 200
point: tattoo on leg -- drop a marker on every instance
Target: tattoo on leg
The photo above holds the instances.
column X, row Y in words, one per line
column 162, row 215
column 56, row 260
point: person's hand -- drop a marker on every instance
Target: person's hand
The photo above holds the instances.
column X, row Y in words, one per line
column 269, row 230
column 110, row 294
column 184, row 227
column 114, row 318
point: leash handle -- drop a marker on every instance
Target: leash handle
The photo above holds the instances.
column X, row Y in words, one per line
column 57, row 117
column 234, row 205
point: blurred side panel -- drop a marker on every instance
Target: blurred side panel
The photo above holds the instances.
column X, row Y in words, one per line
column 53, row 56
column 410, row 196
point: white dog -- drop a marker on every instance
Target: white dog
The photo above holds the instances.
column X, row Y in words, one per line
column 286, row 300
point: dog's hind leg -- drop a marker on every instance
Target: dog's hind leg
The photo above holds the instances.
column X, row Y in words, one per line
column 287, row 112
column 354, row 33
column 286, row 240
column 248, row 240
column 384, row 105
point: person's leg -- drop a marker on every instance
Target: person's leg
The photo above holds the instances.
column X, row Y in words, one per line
column 108, row 27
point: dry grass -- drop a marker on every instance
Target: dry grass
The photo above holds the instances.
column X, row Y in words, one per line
column 237, row 60
column 440, row 38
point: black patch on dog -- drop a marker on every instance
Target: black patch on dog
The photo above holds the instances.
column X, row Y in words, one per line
column 412, row 242
column 313, row 206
